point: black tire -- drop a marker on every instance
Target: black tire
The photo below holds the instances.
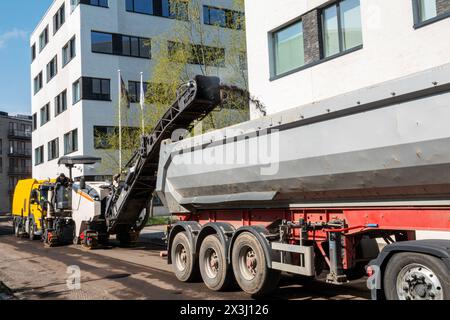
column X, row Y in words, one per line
column 185, row 266
column 258, row 279
column 219, row 276
column 402, row 261
column 75, row 239
column 16, row 226
column 31, row 230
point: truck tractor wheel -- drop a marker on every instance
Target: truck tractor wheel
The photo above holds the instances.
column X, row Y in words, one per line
column 415, row 276
column 250, row 267
column 76, row 239
column 16, row 225
column 214, row 268
column 31, row 230
column 184, row 264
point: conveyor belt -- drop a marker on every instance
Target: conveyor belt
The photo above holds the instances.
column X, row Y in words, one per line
column 197, row 99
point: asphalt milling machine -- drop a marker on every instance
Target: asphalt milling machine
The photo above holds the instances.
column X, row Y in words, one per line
column 64, row 211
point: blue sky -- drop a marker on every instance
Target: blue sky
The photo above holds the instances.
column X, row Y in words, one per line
column 18, row 19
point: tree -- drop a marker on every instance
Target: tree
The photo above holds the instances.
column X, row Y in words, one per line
column 189, row 48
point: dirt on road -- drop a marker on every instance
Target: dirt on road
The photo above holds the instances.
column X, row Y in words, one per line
column 31, row 271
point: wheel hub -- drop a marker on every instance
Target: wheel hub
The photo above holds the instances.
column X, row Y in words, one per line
column 417, row 282
column 181, row 257
column 212, row 263
column 248, row 263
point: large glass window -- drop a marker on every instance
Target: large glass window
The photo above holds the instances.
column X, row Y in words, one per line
column 431, row 10
column 134, row 90
column 140, row 6
column 162, row 8
column 91, row 89
column 224, row 18
column 119, row 44
column 102, row 42
column 289, row 48
column 341, row 27
column 97, row 3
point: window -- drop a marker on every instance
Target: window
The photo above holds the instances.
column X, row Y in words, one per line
column 134, row 90
column 341, row 27
column 52, row 68
column 59, row 18
column 162, row 8
column 102, row 135
column 61, row 103
column 1, row 146
column 428, row 11
column 97, row 3
column 45, row 114
column 224, row 18
column 1, row 164
column 43, row 39
column 38, row 83
column 33, row 52
column 76, row 92
column 39, row 156
column 34, row 122
column 69, row 51
column 197, row 54
column 122, row 45
column 102, row 42
column 96, row 89
column 140, row 6
column 53, row 149
column 71, row 142
column 289, row 48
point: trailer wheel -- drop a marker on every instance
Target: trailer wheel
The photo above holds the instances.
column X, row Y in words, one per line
column 415, row 276
column 184, row 264
column 213, row 264
column 250, row 267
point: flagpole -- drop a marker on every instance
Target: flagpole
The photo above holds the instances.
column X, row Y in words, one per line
column 120, row 121
column 142, row 97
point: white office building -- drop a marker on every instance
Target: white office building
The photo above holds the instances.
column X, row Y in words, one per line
column 301, row 52
column 76, row 49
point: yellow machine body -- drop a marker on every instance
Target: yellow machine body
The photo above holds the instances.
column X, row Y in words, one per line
column 24, row 205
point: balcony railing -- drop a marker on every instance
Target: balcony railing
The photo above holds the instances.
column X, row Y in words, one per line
column 19, row 153
column 19, row 134
column 20, row 171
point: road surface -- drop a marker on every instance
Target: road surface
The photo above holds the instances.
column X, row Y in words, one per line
column 32, row 271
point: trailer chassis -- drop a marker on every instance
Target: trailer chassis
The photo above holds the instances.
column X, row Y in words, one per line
column 305, row 241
